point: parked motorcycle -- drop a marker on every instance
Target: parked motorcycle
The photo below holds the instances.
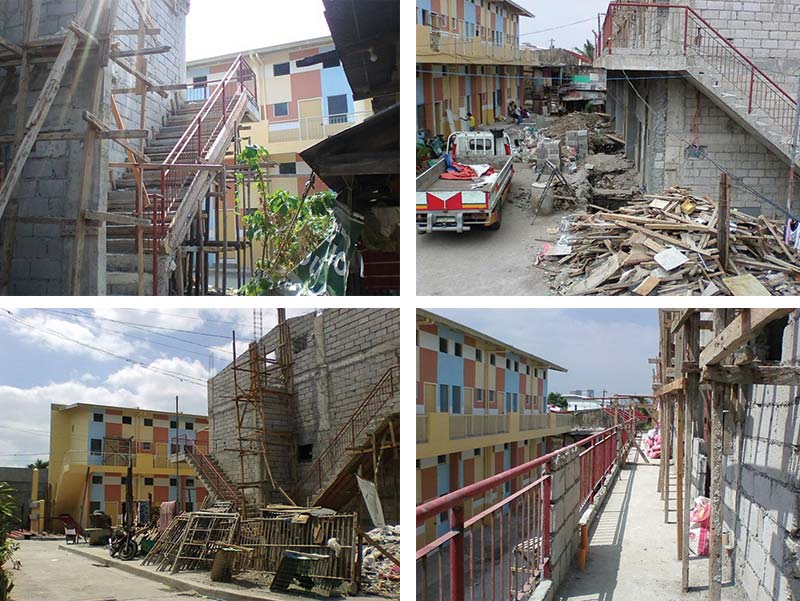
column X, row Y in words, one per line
column 123, row 544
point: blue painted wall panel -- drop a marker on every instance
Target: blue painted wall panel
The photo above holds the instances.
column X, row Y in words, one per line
column 334, row 83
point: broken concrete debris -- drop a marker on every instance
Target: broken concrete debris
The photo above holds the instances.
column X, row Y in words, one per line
column 667, row 244
column 380, row 570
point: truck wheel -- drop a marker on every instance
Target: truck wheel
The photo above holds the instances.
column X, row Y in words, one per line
column 498, row 222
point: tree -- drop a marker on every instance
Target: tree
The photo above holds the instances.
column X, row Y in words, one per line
column 39, row 465
column 289, row 226
column 557, row 399
column 587, row 50
column 8, row 505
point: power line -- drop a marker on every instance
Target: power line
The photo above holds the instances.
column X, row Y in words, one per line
column 148, row 327
column 82, row 315
column 171, row 374
column 204, row 319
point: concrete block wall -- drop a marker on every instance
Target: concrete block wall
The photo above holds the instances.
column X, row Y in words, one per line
column 680, row 115
column 21, row 480
column 165, row 69
column 50, row 182
column 766, row 31
column 339, row 356
column 564, row 516
column 762, row 487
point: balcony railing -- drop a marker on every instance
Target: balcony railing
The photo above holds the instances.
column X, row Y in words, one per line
column 422, row 428
column 470, row 426
column 314, row 128
column 660, row 30
column 457, row 45
column 503, row 551
column 539, row 421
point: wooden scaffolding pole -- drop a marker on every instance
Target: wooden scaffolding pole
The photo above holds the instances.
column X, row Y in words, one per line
column 42, row 107
column 691, row 395
column 680, row 354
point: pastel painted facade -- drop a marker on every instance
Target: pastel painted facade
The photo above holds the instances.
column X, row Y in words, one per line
column 299, row 106
column 481, row 409
column 469, row 60
column 89, row 449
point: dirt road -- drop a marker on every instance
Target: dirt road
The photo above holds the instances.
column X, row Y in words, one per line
column 486, row 263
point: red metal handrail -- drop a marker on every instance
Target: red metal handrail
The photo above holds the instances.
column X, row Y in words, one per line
column 505, row 548
column 209, row 471
column 383, row 391
column 701, row 40
column 191, row 149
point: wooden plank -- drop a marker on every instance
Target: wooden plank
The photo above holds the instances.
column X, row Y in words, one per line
column 647, row 285
column 6, row 43
column 745, row 285
column 674, row 386
column 117, row 218
column 154, row 86
column 150, row 31
column 746, row 325
column 142, row 52
column 664, row 237
column 724, row 222
column 102, row 127
column 682, row 318
column 775, row 375
column 41, row 109
column 89, row 186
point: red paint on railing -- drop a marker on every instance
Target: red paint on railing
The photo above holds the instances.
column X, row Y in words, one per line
column 198, row 138
column 348, row 434
column 517, row 526
column 209, row 472
column 707, row 44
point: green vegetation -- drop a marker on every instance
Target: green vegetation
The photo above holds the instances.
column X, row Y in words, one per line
column 8, row 506
column 39, row 465
column 288, row 226
column 557, row 399
column 587, row 50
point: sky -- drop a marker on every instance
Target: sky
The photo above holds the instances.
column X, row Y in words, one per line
column 601, row 348
column 216, row 27
column 553, row 16
column 64, row 356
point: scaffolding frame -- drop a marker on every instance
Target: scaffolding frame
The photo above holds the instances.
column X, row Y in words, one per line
column 101, row 47
column 697, row 388
column 265, row 374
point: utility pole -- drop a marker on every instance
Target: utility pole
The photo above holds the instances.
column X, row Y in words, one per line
column 603, row 401
column 795, row 131
column 177, row 463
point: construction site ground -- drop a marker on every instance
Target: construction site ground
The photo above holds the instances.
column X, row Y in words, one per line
column 47, row 572
column 51, row 569
column 632, row 551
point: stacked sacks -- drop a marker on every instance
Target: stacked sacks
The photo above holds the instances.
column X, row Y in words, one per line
column 652, row 444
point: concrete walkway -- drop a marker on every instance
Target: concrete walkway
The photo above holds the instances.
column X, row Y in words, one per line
column 633, row 553
column 49, row 574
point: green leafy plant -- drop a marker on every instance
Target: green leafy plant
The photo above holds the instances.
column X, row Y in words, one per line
column 8, row 506
column 557, row 399
column 289, row 226
column 587, row 50
column 41, row 465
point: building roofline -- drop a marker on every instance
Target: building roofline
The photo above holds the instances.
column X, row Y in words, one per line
column 521, row 10
column 61, row 407
column 454, row 325
column 247, row 52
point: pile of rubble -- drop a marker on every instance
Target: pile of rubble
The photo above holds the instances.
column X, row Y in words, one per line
column 380, row 571
column 666, row 244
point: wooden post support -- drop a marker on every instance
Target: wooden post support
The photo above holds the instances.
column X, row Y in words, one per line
column 680, row 399
column 666, row 450
column 723, row 221
column 41, row 109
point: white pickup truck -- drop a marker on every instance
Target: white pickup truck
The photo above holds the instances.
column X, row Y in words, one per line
column 458, row 205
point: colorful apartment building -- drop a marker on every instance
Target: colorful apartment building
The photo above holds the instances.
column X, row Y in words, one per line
column 90, row 446
column 469, row 60
column 481, row 409
column 299, row 106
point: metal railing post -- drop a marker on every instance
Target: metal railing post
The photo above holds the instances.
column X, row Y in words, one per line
column 685, row 31
column 546, row 494
column 610, row 27
column 750, row 95
column 457, row 554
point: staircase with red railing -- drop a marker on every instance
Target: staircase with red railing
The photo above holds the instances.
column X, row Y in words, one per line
column 671, row 37
column 208, row 471
column 195, row 139
column 373, row 411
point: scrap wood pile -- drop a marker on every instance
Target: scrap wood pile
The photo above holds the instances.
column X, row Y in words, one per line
column 667, row 244
column 380, row 570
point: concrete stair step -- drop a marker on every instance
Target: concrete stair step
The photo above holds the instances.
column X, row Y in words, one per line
column 128, row 263
column 127, row 284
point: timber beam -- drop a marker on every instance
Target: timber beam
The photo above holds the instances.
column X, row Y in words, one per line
column 778, row 375
column 746, row 326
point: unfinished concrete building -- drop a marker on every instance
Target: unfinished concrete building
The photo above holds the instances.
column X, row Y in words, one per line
column 303, row 411
column 702, row 88
column 101, row 159
column 727, row 382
